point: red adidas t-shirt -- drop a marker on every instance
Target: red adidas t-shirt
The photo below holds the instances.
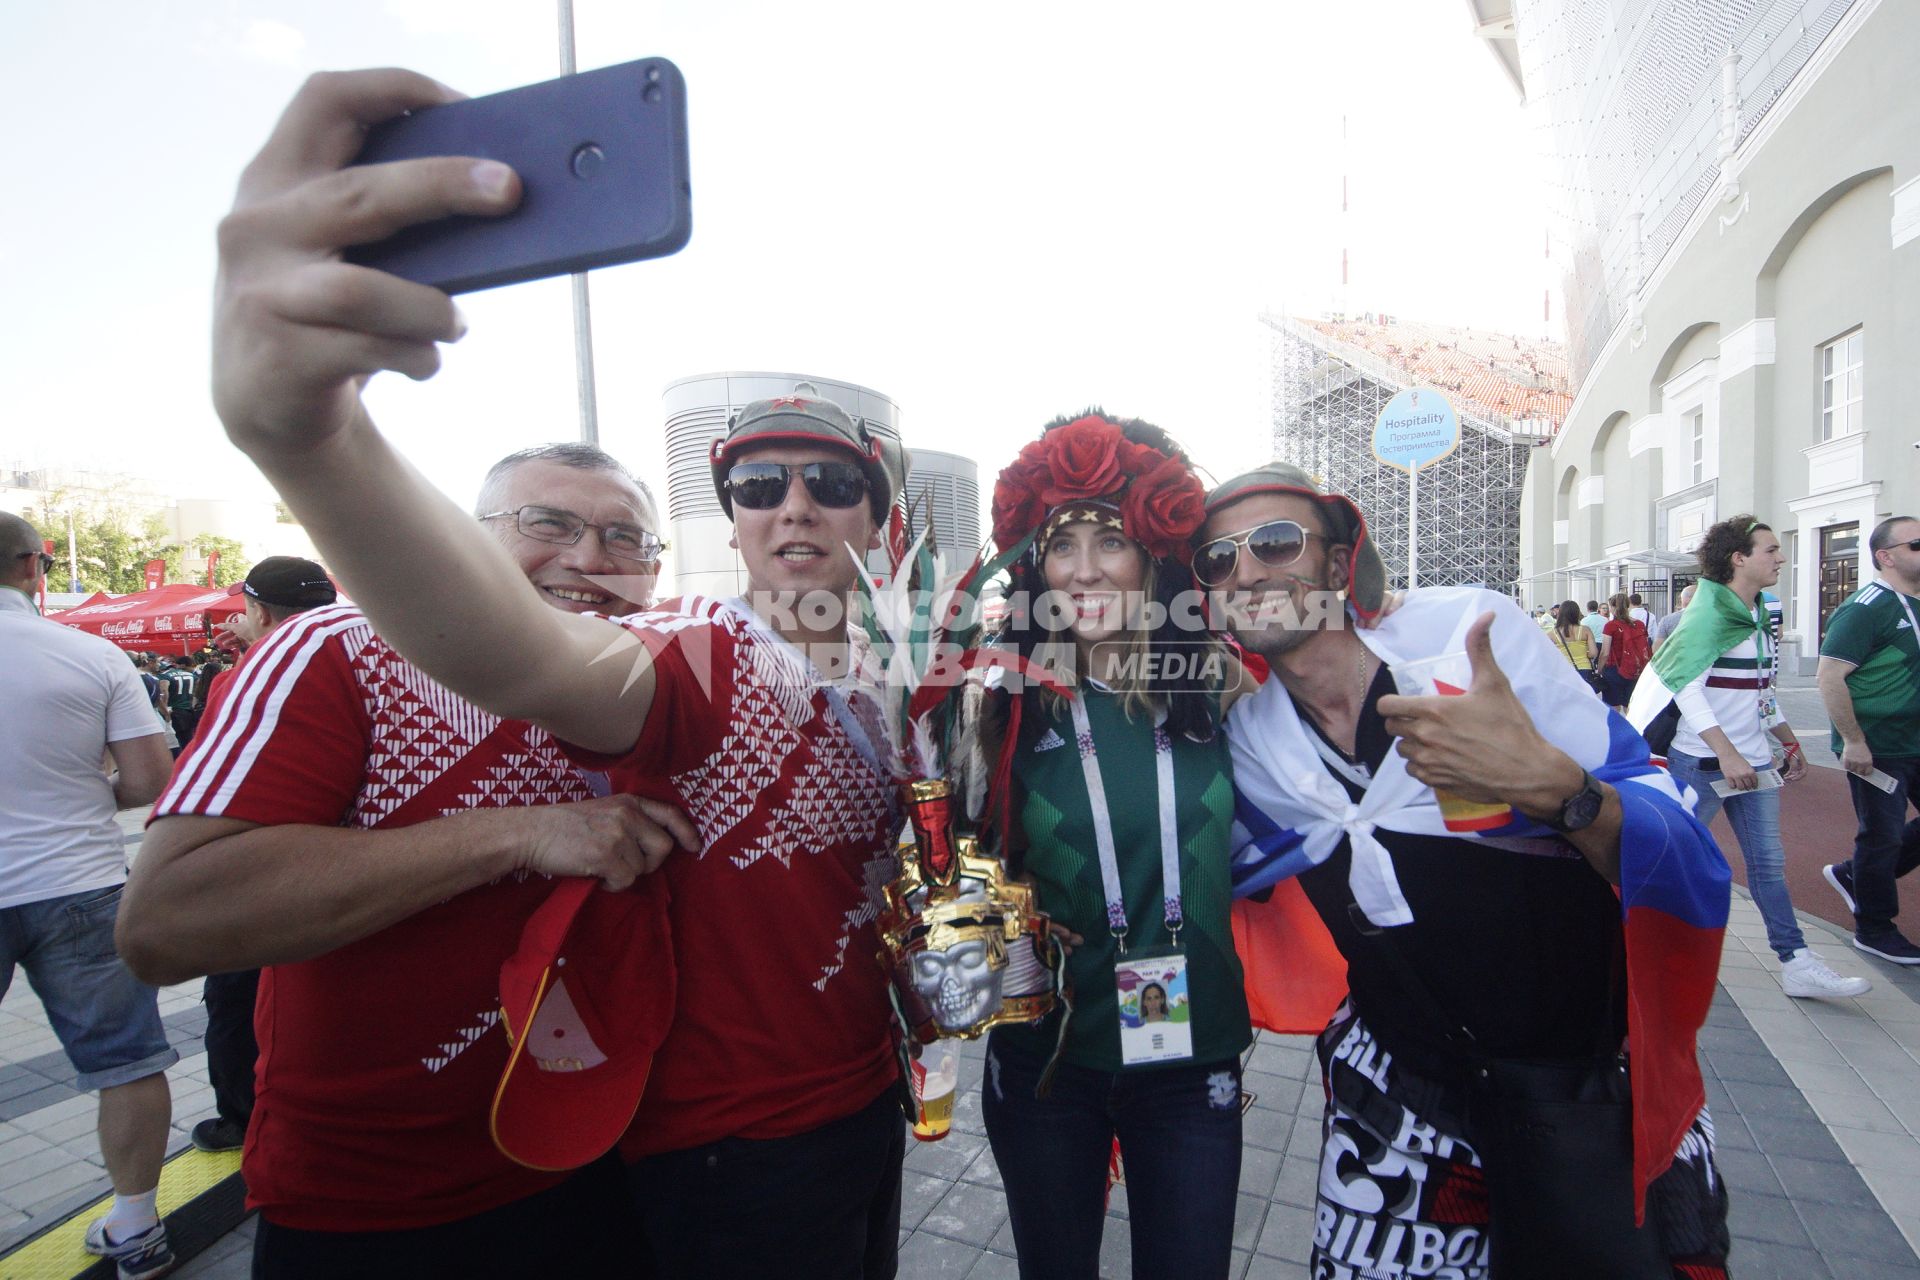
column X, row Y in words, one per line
column 378, row 1061
column 782, row 1019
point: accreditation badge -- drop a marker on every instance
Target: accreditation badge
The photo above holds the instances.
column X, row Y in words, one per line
column 1156, row 1016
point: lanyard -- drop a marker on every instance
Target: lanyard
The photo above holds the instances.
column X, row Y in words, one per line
column 1103, row 827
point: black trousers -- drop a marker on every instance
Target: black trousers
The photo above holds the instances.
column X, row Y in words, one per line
column 231, row 1049
column 581, row 1228
column 821, row 1205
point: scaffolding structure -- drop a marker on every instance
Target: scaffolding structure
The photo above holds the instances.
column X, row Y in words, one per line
column 1326, row 397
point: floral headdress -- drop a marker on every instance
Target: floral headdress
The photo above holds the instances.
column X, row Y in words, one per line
column 1089, row 470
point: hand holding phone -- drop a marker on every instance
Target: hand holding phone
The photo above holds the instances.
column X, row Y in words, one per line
column 602, row 159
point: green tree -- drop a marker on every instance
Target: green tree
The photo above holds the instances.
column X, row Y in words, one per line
column 113, row 544
column 230, row 568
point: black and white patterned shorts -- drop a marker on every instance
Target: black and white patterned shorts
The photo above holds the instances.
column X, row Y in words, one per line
column 1402, row 1194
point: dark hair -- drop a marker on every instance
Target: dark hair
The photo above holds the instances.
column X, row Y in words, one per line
column 1635, row 600
column 570, row 453
column 1617, row 605
column 1593, row 606
column 1568, row 615
column 1882, row 536
column 1722, row 542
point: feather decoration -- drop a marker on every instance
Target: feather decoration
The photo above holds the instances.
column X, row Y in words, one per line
column 925, row 625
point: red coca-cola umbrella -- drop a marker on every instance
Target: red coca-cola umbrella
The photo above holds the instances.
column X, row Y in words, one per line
column 177, row 618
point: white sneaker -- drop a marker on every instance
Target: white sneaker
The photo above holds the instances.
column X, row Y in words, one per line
column 1805, row 975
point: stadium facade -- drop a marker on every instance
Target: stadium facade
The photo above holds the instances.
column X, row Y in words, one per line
column 1739, row 198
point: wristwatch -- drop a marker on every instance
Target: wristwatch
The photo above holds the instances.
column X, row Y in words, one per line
column 1579, row 810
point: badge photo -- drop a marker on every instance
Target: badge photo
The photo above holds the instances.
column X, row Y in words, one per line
column 1156, row 1017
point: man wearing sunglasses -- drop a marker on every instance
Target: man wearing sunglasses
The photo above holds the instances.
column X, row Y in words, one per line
column 379, row 845
column 766, row 1136
column 1869, row 678
column 68, row 700
column 1479, row 925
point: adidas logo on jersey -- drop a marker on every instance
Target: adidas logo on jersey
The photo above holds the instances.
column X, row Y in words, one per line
column 1048, row 741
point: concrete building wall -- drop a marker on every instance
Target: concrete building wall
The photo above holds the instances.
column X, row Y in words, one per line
column 1812, row 231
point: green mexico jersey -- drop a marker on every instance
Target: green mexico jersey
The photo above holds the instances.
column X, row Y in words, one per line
column 1875, row 633
column 1064, row 864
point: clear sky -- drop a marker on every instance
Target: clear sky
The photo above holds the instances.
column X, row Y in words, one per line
column 992, row 214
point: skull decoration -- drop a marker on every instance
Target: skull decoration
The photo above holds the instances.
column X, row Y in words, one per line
column 967, row 949
column 959, row 984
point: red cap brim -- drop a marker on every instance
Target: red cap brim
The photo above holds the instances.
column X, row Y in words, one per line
column 612, row 1004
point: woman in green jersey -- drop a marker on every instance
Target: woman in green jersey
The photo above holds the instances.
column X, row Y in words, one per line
column 1117, row 804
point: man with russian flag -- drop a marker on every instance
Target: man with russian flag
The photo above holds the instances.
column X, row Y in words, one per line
column 1520, row 897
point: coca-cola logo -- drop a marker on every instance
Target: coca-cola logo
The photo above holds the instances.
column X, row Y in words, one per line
column 124, row 630
column 163, row 623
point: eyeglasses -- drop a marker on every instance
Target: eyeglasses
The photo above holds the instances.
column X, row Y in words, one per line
column 46, row 561
column 564, row 528
column 1276, row 544
column 1914, row 545
column 762, row 486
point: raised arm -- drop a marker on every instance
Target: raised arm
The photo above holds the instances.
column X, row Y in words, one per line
column 297, row 333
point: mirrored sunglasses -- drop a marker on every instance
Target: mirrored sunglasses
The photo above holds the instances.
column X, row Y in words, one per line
column 1276, row 544
column 762, row 486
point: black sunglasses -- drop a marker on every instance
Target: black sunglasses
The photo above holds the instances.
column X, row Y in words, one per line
column 762, row 486
column 46, row 561
column 1911, row 546
column 1276, row 544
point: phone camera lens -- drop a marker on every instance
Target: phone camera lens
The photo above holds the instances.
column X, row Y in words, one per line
column 653, row 75
column 652, row 93
column 587, row 160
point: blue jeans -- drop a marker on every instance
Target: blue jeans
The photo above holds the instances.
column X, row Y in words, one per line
column 1755, row 819
column 108, row 1020
column 1881, row 854
column 1179, row 1132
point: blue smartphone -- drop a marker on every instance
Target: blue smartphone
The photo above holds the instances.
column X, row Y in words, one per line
column 602, row 159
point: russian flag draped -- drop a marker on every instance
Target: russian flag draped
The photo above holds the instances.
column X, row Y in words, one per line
column 1292, row 814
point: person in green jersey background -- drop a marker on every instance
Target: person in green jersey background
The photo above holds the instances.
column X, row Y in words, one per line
column 1119, row 811
column 1870, row 680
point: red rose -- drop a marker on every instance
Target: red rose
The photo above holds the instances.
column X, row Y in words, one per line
column 1017, row 506
column 1163, row 508
column 1083, row 458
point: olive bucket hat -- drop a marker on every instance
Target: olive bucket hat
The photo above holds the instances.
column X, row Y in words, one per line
column 1366, row 572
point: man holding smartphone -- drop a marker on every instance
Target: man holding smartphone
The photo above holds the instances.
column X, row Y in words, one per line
column 1869, row 678
column 767, row 1135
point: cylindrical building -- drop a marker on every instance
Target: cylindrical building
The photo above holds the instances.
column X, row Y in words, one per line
column 950, row 485
column 697, row 410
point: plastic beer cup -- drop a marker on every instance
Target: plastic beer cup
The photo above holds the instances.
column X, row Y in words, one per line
column 1450, row 675
column 936, row 1075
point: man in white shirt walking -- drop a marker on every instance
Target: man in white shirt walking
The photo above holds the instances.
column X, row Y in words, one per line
column 1720, row 663
column 69, row 700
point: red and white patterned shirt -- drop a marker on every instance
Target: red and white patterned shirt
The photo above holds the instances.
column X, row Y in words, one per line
column 378, row 1061
column 782, row 1020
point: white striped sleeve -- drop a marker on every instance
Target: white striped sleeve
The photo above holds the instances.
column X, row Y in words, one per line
column 288, row 740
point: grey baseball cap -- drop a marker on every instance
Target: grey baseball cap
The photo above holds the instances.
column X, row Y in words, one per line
column 807, row 417
column 1366, row 572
